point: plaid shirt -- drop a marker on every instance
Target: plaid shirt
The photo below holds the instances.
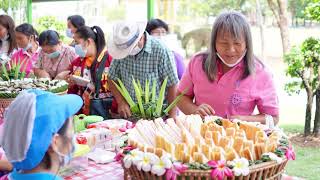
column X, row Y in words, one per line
column 155, row 62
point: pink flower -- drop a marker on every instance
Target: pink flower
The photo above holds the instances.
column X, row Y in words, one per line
column 128, row 148
column 219, row 169
column 129, row 125
column 119, row 156
column 290, row 154
column 177, row 169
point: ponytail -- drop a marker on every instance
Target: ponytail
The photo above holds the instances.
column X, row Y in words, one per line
column 95, row 33
column 99, row 40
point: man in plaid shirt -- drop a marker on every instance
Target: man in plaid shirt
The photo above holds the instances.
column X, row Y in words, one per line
column 137, row 54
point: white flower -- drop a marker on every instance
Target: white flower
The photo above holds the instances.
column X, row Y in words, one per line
column 145, row 163
column 134, row 156
column 163, row 163
column 240, row 166
column 273, row 157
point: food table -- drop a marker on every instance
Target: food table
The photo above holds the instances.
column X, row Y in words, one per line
column 110, row 171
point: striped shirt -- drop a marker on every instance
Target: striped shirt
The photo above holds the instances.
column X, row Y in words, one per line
column 154, row 62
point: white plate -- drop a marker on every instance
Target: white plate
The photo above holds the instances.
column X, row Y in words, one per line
column 80, row 80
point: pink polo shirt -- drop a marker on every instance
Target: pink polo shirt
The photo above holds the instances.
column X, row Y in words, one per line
column 20, row 55
column 229, row 95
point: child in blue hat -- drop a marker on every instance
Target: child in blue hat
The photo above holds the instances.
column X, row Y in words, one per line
column 38, row 134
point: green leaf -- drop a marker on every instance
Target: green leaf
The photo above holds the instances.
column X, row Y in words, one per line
column 140, row 87
column 146, row 93
column 138, row 95
column 5, row 72
column 161, row 97
column 17, row 70
column 153, row 91
column 126, row 94
column 175, row 101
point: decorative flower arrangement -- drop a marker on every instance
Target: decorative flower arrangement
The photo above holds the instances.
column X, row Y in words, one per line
column 171, row 168
column 149, row 104
column 12, row 69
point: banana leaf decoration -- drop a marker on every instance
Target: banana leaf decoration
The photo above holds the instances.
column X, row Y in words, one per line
column 145, row 107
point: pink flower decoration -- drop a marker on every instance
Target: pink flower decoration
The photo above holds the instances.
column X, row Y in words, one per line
column 128, row 148
column 119, row 156
column 129, row 125
column 177, row 169
column 220, row 170
column 290, row 154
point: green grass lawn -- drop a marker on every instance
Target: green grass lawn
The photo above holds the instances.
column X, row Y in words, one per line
column 307, row 163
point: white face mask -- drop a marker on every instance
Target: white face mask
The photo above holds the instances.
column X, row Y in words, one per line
column 69, row 33
column 234, row 64
column 135, row 50
column 64, row 159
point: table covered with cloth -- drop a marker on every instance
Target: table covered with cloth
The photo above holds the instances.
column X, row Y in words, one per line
column 110, row 171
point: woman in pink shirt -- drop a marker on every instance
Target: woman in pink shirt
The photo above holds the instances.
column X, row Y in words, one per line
column 26, row 37
column 228, row 80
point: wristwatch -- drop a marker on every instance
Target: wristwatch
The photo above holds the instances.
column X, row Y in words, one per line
column 269, row 121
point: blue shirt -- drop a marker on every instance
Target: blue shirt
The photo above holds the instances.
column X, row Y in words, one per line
column 34, row 176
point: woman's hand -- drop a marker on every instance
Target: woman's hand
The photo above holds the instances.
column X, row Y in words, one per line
column 70, row 80
column 124, row 110
column 62, row 75
column 204, row 110
column 43, row 74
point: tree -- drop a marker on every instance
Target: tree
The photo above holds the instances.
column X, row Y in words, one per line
column 279, row 10
column 304, row 66
column 5, row 5
column 297, row 8
column 50, row 22
column 313, row 10
column 260, row 24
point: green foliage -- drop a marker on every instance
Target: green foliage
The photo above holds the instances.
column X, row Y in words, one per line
column 144, row 108
column 306, row 164
column 50, row 22
column 14, row 70
column 6, row 4
column 313, row 10
column 297, row 7
column 303, row 62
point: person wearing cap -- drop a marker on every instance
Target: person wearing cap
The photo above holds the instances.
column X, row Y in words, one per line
column 38, row 134
column 137, row 54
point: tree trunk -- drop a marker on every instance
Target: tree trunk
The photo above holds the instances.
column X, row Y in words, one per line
column 307, row 124
column 316, row 126
column 260, row 24
column 279, row 10
column 284, row 28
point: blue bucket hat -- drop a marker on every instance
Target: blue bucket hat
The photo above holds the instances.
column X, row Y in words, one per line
column 30, row 122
